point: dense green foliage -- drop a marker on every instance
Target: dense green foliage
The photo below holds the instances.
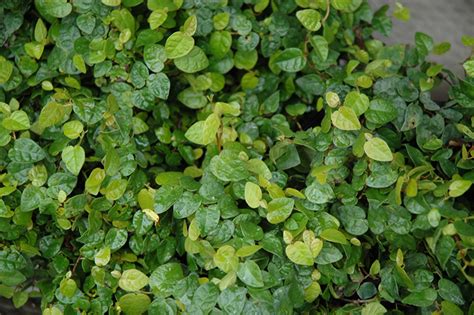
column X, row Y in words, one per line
column 230, row 157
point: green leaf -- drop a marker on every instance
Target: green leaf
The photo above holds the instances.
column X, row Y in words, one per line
column 249, row 273
column 232, row 300
column 115, row 189
column 227, row 108
column 234, row 157
column 423, row 298
column 343, row 5
column 186, row 205
column 458, row 187
column 154, row 57
column 377, row 149
column 6, row 70
column 424, row 43
column 332, row 99
column 467, row 40
column 291, row 60
column 221, row 20
column 34, row 49
column 41, row 32
column 450, row 308
column 193, row 62
column 225, row 259
column 260, row 5
column 159, row 85
column 164, row 279
column 204, row 299
column 253, row 194
column 170, row 5
column 228, row 167
column 116, row 238
column 272, row 103
column 133, row 280
column 52, row 114
column 190, row 25
column 156, row 19
column 54, row 8
column 329, row 254
column 192, row 99
column 204, row 132
column 353, row 219
column 31, row 198
column 320, row 46
column 333, row 235
column 73, row 129
column 26, row 151
column 17, row 121
column 373, row 308
column 134, row 303
column 345, row 118
column 279, row 210
column 359, row 102
column 68, row 287
column 165, row 197
column 207, row 218
column 319, row 193
column 441, row 48
column 124, row 21
column 220, row 43
column 449, row 291
column 366, row 290
column 300, row 254
column 52, row 311
column 381, row 111
column 179, row 44
column 74, row 158
column 20, row 298
column 401, row 12
column 310, row 19
column 112, row 3
column 102, row 256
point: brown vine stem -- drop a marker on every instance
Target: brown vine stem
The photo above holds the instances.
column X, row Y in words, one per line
column 79, row 258
column 328, row 10
column 219, row 138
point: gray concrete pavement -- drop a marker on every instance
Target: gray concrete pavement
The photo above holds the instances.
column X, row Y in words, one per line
column 441, row 19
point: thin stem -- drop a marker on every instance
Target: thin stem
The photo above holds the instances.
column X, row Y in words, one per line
column 79, row 258
column 328, row 10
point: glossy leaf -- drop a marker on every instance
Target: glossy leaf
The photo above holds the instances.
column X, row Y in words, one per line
column 377, row 149
column 74, row 158
column 132, row 280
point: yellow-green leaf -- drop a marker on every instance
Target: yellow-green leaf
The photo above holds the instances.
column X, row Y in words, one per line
column 94, row 181
column 6, row 69
column 40, row 31
column 17, row 121
column 178, row 44
column 377, row 149
column 345, row 119
column 73, row 157
column 253, row 194
column 133, row 280
column 51, row 114
column 102, row 257
column 157, row 18
column 204, row 132
column 333, row 235
column 459, row 187
column 225, row 258
column 299, row 253
column 310, row 19
column 112, row 3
